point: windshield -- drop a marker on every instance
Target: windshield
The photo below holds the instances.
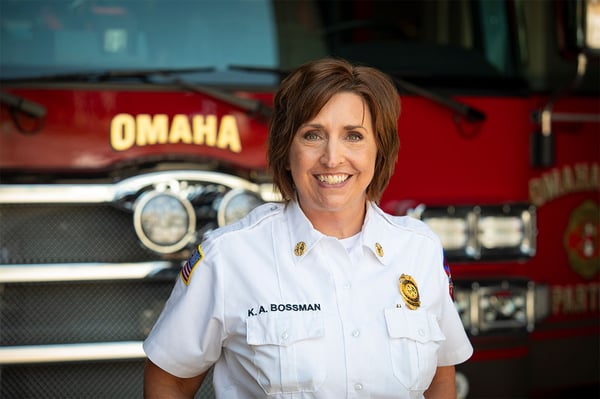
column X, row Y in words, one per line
column 251, row 42
column 57, row 37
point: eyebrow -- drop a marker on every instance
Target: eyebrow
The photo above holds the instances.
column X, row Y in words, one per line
column 352, row 127
column 347, row 127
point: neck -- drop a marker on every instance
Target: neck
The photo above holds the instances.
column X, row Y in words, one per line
column 342, row 223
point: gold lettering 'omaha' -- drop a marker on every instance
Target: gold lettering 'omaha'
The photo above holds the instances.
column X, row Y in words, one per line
column 127, row 131
column 558, row 182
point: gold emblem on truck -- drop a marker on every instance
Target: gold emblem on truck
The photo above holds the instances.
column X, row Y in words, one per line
column 581, row 239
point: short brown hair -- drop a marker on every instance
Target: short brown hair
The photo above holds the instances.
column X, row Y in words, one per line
column 307, row 89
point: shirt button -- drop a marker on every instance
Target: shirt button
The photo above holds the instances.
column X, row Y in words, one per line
column 347, row 286
column 358, row 386
column 285, row 335
column 421, row 332
column 355, row 333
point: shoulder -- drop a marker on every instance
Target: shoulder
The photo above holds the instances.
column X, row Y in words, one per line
column 407, row 224
column 259, row 216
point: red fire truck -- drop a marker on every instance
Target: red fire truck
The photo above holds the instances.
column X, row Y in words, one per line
column 130, row 128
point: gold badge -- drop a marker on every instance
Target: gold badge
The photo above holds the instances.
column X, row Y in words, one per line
column 409, row 291
column 379, row 249
column 300, row 248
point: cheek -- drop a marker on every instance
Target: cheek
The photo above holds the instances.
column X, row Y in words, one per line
column 368, row 160
column 301, row 159
column 292, row 159
column 295, row 164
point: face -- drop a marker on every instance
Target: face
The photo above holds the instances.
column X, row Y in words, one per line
column 332, row 157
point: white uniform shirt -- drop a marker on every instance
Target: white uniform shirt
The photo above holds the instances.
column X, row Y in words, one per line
column 284, row 311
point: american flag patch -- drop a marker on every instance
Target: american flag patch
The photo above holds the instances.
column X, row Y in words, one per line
column 190, row 265
column 450, row 283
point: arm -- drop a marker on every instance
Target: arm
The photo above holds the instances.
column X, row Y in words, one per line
column 443, row 385
column 159, row 384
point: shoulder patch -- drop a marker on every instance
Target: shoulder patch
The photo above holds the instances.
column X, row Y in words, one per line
column 450, row 283
column 190, row 265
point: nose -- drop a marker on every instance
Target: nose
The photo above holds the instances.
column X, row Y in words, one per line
column 333, row 154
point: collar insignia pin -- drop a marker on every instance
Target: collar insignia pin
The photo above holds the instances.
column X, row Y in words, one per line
column 379, row 249
column 300, row 248
column 409, row 291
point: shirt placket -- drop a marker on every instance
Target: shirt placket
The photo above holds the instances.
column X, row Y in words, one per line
column 348, row 294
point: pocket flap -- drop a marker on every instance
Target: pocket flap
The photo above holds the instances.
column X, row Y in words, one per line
column 283, row 330
column 416, row 325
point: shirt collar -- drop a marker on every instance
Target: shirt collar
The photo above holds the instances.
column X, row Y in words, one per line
column 374, row 236
column 303, row 236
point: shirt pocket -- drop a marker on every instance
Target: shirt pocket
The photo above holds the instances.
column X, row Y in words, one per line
column 289, row 352
column 415, row 337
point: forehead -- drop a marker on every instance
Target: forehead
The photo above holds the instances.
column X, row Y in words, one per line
column 347, row 107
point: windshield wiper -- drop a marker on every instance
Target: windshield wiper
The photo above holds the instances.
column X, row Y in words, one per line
column 142, row 74
column 282, row 73
column 19, row 104
column 23, row 105
column 471, row 114
column 252, row 107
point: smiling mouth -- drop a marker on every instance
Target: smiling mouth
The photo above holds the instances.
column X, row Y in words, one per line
column 333, row 179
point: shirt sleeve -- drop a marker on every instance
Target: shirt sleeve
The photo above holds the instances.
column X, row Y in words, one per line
column 456, row 348
column 187, row 337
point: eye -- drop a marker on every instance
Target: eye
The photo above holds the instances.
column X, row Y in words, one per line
column 354, row 136
column 311, row 135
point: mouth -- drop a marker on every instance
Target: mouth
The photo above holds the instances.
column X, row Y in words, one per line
column 333, row 179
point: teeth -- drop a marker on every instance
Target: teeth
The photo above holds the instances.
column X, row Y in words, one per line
column 332, row 179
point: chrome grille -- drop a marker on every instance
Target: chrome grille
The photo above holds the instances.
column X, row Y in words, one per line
column 75, row 279
column 75, row 380
column 104, row 380
column 51, row 233
column 80, row 312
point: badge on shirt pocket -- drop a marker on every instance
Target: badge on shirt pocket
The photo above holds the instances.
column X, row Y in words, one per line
column 409, row 291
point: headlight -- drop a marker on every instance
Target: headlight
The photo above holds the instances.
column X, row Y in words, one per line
column 235, row 205
column 483, row 232
column 164, row 221
column 491, row 306
column 502, row 306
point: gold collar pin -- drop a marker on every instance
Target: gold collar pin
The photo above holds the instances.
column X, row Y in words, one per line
column 379, row 249
column 300, row 248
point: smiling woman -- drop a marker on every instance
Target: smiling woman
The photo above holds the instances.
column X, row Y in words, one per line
column 332, row 148
column 307, row 98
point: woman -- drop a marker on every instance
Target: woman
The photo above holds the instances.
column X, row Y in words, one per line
column 324, row 296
